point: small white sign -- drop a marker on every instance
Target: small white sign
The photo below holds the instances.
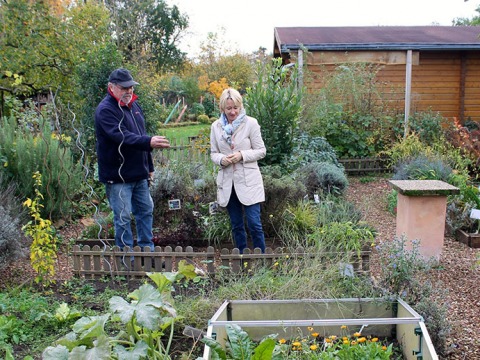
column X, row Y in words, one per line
column 316, row 198
column 475, row 214
column 174, row 204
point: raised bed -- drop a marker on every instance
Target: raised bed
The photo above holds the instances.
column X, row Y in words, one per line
column 392, row 319
column 469, row 239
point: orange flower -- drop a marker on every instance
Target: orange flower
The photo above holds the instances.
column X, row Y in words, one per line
column 375, row 339
column 384, row 348
column 315, row 334
column 362, row 339
column 357, row 334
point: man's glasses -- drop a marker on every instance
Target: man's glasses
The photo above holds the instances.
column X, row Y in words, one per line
column 124, row 88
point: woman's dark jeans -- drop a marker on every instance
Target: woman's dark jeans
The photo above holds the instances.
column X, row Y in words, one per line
column 252, row 212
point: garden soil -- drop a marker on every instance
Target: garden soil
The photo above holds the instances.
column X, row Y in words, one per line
column 458, row 271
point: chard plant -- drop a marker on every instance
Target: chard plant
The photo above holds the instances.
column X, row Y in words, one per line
column 144, row 322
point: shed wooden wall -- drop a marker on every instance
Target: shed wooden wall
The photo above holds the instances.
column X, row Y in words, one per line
column 443, row 81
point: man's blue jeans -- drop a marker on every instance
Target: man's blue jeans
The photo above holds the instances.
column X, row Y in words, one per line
column 131, row 198
column 252, row 213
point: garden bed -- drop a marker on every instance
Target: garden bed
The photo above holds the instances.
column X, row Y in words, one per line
column 469, row 239
column 288, row 318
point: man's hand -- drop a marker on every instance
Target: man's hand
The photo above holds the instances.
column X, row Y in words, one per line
column 158, row 142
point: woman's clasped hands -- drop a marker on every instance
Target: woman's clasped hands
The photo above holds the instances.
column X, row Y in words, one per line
column 232, row 158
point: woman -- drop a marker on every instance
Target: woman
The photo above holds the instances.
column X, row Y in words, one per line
column 237, row 145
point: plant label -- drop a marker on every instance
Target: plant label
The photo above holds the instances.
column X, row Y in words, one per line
column 174, row 204
column 475, row 214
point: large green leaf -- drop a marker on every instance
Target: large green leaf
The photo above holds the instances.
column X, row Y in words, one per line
column 90, row 327
column 100, row 351
column 144, row 309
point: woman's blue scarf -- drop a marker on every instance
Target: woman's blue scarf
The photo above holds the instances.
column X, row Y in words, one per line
column 229, row 129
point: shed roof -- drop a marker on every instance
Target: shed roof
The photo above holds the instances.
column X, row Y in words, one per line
column 377, row 38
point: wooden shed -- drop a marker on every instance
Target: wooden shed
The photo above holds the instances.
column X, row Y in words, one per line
column 433, row 68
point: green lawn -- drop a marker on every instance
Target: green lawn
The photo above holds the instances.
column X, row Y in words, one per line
column 182, row 133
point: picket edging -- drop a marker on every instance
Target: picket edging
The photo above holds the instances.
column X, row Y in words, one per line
column 95, row 262
column 363, row 166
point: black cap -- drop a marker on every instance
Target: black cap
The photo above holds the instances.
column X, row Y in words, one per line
column 122, row 77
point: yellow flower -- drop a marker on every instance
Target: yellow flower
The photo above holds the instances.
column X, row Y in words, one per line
column 296, row 344
column 357, row 334
column 315, row 334
column 346, row 342
column 310, row 328
column 328, row 340
column 313, row 347
column 353, row 343
column 362, row 339
column 333, row 337
column 343, row 327
column 384, row 348
column 282, row 341
column 375, row 339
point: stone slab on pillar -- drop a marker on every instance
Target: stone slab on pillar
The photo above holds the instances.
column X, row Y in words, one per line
column 421, row 213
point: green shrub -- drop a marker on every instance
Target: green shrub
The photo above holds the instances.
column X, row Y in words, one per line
column 28, row 147
column 422, row 168
column 297, row 222
column 344, row 237
column 10, row 234
column 280, row 191
column 275, row 101
column 307, row 149
column 350, row 113
column 430, row 127
column 102, row 228
column 197, row 109
column 203, row 119
column 322, row 178
column 336, row 209
column 402, row 274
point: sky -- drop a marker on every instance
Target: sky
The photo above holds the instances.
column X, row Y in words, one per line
column 249, row 24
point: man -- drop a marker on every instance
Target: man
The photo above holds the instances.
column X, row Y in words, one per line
column 125, row 164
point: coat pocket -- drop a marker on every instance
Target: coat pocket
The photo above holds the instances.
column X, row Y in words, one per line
column 252, row 174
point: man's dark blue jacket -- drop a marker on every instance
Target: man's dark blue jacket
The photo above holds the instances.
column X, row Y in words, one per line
column 123, row 146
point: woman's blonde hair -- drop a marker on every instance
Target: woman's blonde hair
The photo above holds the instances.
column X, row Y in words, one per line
column 233, row 94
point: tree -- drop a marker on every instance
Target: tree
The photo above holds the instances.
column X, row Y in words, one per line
column 276, row 102
column 40, row 49
column 474, row 21
column 147, row 31
column 218, row 62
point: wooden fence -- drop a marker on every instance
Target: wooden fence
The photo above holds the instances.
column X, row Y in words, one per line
column 363, row 166
column 96, row 262
column 188, row 150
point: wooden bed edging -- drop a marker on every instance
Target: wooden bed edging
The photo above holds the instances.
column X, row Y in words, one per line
column 96, row 262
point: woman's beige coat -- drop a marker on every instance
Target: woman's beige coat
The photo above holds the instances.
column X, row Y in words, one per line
column 245, row 174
